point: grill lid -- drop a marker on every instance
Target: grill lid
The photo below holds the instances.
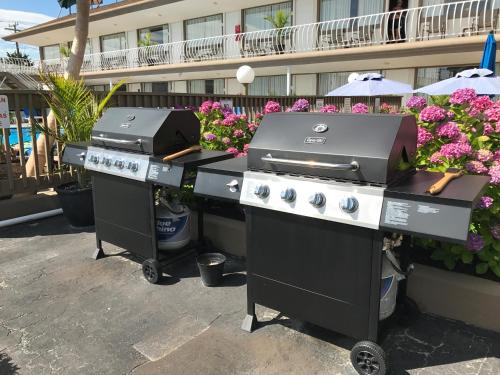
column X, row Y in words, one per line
column 371, row 148
column 154, row 131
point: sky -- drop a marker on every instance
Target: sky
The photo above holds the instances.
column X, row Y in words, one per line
column 28, row 13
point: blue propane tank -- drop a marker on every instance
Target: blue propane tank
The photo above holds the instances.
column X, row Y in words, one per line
column 173, row 222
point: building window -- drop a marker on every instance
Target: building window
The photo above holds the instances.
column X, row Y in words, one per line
column 330, row 81
column 206, row 86
column 52, row 52
column 157, row 35
column 338, row 9
column 88, row 46
column 203, row 27
column 427, row 76
column 254, row 18
column 113, row 42
column 269, row 85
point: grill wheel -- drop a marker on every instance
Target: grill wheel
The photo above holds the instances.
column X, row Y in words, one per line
column 368, row 358
column 151, row 270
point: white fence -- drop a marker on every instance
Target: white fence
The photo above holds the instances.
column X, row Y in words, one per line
column 451, row 20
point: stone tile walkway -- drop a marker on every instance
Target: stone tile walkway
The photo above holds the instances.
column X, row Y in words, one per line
column 64, row 313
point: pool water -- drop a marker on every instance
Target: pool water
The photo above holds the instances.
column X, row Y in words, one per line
column 14, row 139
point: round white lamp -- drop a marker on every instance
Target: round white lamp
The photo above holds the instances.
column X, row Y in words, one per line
column 245, row 75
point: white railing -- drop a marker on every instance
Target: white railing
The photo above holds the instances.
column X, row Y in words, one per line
column 457, row 19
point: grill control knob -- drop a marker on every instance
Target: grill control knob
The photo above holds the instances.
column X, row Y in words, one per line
column 317, row 200
column 106, row 161
column 262, row 191
column 288, row 195
column 133, row 166
column 94, row 159
column 119, row 163
column 349, row 204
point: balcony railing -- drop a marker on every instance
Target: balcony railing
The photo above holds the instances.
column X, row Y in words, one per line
column 457, row 19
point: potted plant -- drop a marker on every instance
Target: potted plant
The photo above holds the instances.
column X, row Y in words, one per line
column 75, row 109
column 279, row 22
column 147, row 53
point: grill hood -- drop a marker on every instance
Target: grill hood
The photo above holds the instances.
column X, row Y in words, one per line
column 147, row 130
column 368, row 148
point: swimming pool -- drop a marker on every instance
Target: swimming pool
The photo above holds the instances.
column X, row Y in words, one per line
column 14, row 139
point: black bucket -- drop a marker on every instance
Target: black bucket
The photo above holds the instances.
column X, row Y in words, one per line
column 76, row 204
column 211, row 266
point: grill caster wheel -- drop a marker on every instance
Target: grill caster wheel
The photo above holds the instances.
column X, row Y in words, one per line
column 151, row 270
column 368, row 358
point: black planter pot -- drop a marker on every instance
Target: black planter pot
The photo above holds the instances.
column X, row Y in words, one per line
column 211, row 266
column 77, row 204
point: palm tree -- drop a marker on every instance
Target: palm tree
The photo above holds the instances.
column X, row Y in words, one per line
column 72, row 71
column 75, row 108
column 279, row 22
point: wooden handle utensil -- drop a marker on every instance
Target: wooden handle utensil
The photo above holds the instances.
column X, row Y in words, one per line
column 449, row 175
column 187, row 151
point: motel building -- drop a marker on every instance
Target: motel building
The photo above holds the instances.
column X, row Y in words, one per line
column 193, row 46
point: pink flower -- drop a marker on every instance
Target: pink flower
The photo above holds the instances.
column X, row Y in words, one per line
column 252, row 127
column 496, row 156
column 497, row 127
column 455, row 150
column 424, row 136
column 259, row 115
column 488, row 129
column 238, row 133
column 462, row 96
column 241, row 154
column 495, row 232
column 416, row 102
column 436, row 158
column 329, row 108
column 243, row 117
column 233, row 150
column 385, row 108
column 209, row 137
column 475, row 166
column 226, row 141
column 272, row 107
column 246, row 147
column 462, row 138
column 359, row 108
column 450, row 115
column 217, row 122
column 206, row 107
column 300, row 105
column 485, row 202
column 484, row 155
column 432, row 113
column 230, row 120
column 493, row 113
column 216, row 105
column 494, row 172
column 474, row 242
column 481, row 103
column 448, row 129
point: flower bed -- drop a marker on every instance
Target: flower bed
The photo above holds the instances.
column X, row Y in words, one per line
column 462, row 131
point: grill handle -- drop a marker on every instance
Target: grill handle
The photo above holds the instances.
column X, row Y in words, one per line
column 353, row 166
column 102, row 138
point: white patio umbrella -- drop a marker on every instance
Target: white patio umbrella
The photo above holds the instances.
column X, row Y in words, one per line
column 483, row 81
column 371, row 84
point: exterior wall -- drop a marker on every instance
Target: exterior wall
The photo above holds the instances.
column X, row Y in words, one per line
column 402, row 75
column 304, row 84
column 305, row 11
column 233, row 87
column 179, row 87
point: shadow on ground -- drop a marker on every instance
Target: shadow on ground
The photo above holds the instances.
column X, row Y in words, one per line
column 7, row 367
column 54, row 226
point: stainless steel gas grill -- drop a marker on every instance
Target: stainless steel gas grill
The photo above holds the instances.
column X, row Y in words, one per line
column 126, row 160
column 323, row 194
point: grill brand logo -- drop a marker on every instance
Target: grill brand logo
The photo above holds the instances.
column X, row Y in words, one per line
column 315, row 140
column 126, row 125
column 320, row 128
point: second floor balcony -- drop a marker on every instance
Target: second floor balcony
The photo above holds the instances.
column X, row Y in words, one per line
column 443, row 21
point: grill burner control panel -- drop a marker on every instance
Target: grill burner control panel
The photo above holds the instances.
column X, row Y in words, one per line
column 123, row 164
column 326, row 200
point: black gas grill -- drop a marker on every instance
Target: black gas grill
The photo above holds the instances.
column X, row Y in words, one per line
column 125, row 159
column 323, row 193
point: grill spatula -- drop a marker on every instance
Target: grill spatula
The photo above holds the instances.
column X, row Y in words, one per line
column 449, row 175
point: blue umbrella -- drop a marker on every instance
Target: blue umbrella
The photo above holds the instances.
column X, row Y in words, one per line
column 483, row 81
column 371, row 84
column 489, row 54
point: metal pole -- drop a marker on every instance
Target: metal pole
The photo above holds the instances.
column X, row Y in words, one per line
column 288, row 81
column 245, row 90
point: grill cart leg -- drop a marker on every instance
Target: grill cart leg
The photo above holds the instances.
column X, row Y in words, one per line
column 250, row 320
column 99, row 252
column 368, row 358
